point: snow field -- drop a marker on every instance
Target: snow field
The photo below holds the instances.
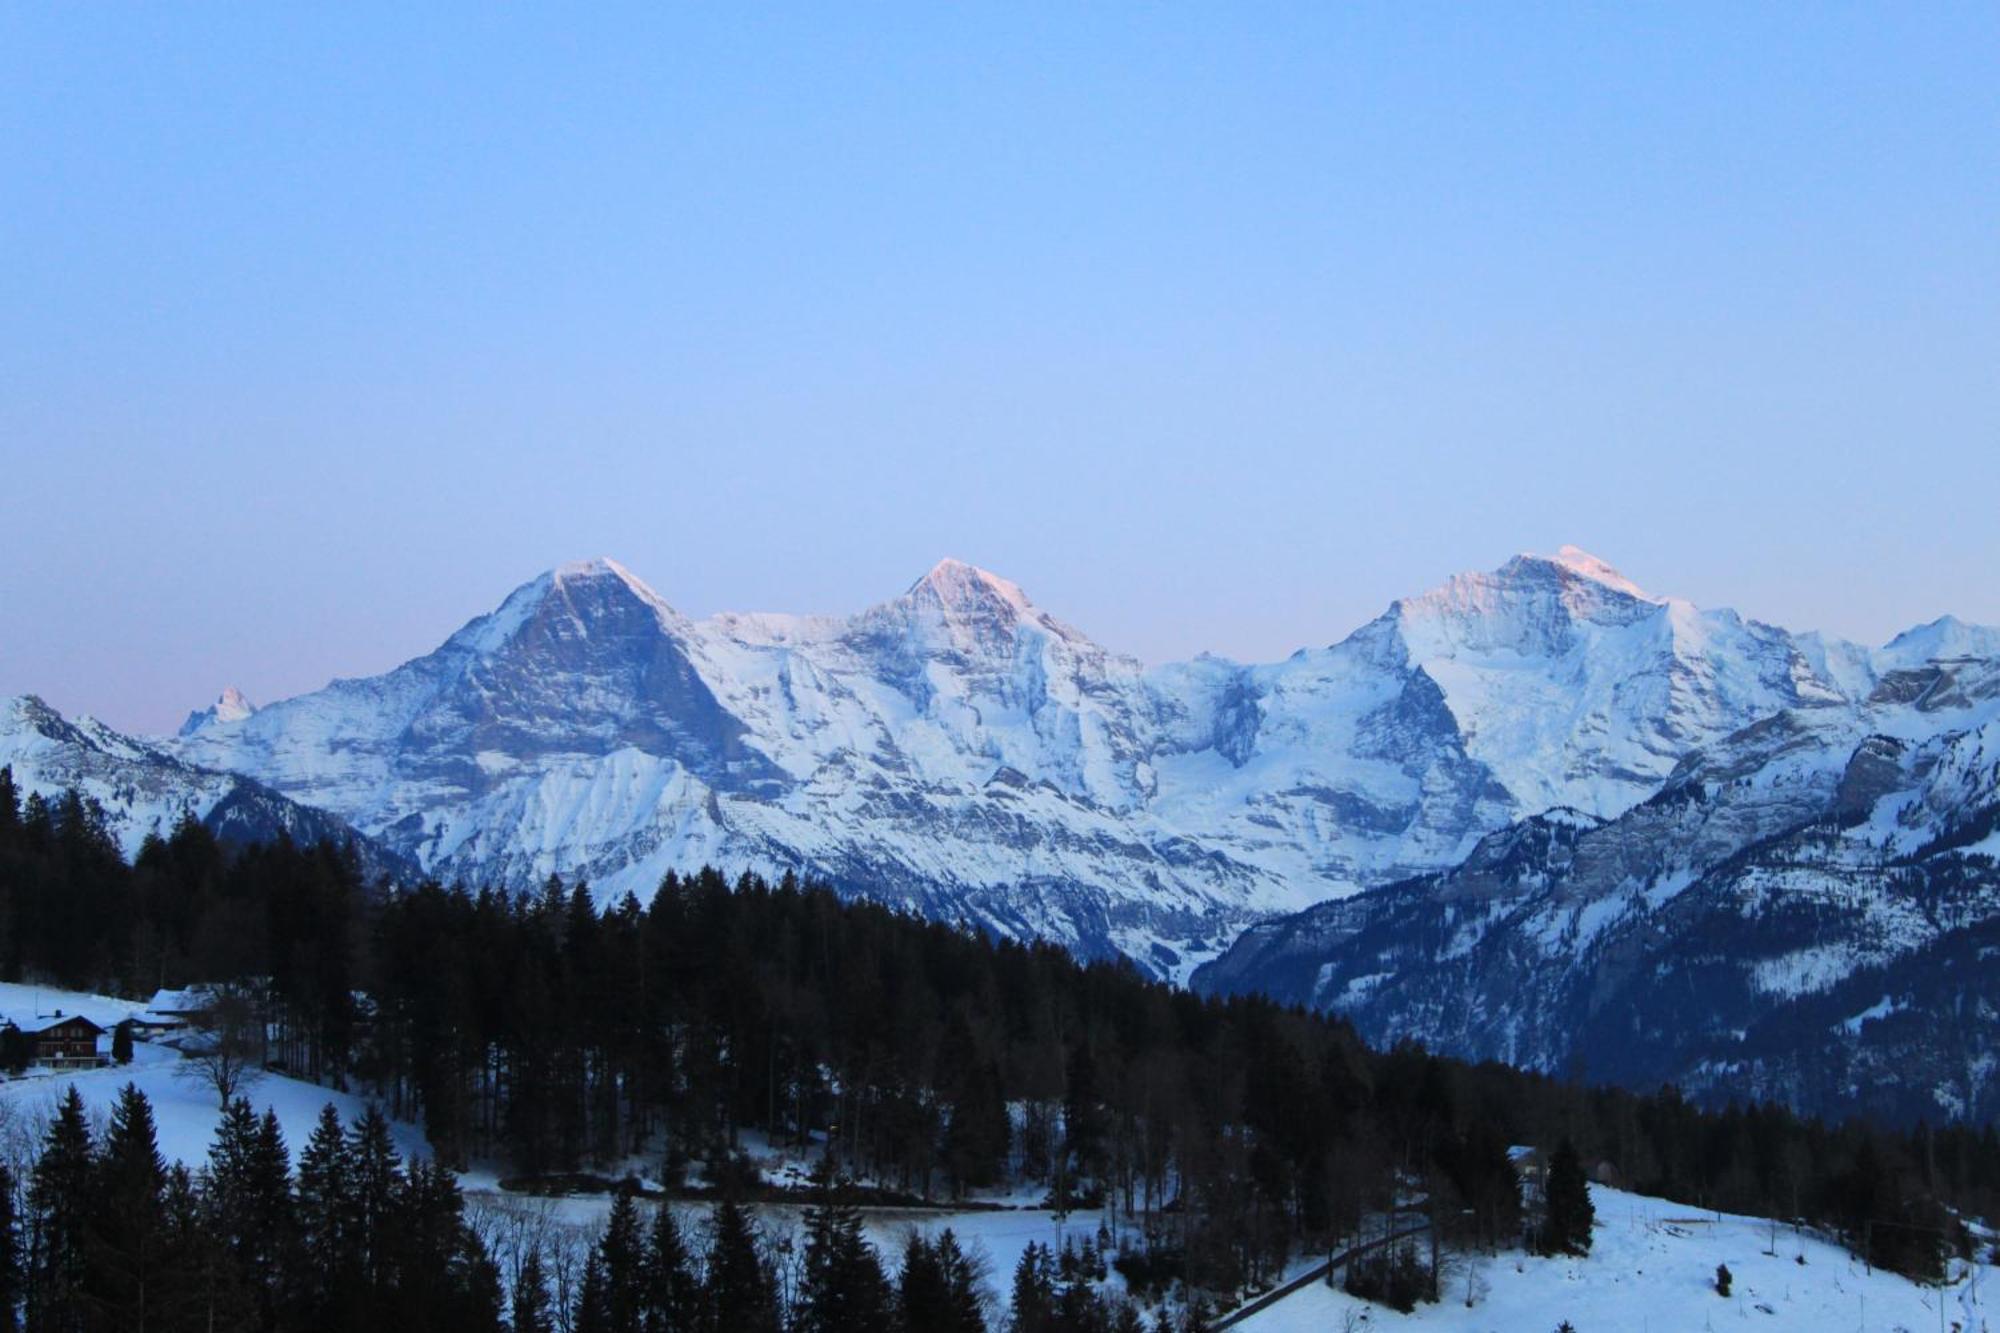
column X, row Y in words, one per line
column 1651, row 1269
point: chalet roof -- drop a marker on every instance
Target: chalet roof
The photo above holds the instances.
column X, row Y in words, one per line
column 35, row 1024
column 189, row 1000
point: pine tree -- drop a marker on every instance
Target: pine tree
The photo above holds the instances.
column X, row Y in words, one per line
column 59, row 1210
column 201, row 1285
column 127, row 1229
column 1033, row 1307
column 923, row 1300
column 328, row 1221
column 1083, row 1119
column 16, row 1051
column 843, row 1290
column 378, row 1182
column 964, row 1313
column 739, row 1294
column 977, row 1129
column 269, row 1198
column 672, row 1296
column 620, row 1258
column 121, row 1042
column 427, row 1263
column 593, row 1302
column 237, row 1193
column 1569, row 1215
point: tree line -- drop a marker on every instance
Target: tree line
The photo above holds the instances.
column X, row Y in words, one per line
column 562, row 1036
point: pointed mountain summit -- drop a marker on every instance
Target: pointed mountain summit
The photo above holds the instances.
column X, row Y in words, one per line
column 961, row 607
column 1585, row 565
column 230, row 706
column 968, row 589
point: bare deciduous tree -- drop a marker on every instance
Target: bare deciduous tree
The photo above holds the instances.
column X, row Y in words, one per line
column 226, row 1053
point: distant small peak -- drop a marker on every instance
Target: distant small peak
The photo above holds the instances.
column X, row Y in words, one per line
column 232, row 706
column 1945, row 639
column 30, row 710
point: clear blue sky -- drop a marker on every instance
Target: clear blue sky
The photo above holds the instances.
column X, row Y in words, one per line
column 1216, row 327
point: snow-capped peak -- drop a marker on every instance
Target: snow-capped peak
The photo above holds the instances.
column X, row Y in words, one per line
column 602, row 567
column 230, row 706
column 959, row 586
column 27, row 713
column 600, row 581
column 1941, row 640
column 1528, row 605
column 1585, row 565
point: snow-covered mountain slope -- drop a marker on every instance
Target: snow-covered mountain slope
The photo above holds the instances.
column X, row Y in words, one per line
column 144, row 791
column 1807, row 909
column 959, row 749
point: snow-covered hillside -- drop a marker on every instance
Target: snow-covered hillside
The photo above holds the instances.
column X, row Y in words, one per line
column 960, row 749
column 143, row 790
column 184, row 1110
column 1651, row 1269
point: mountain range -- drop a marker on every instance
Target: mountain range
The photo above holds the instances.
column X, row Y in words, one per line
column 1494, row 817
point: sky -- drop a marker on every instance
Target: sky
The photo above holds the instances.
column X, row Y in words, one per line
column 1215, row 327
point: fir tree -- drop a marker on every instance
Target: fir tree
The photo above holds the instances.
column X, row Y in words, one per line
column 739, row 1294
column 60, row 1199
column 247, row 1197
column 1568, row 1213
column 621, row 1261
column 593, row 1302
column 923, row 1300
column 378, row 1181
column 1033, row 1306
column 16, row 1051
column 961, row 1279
column 328, row 1223
column 202, row 1286
column 127, row 1230
column 977, row 1129
column 843, row 1290
column 672, row 1296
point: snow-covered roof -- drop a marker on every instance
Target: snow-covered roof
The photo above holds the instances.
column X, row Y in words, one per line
column 190, row 1000
column 38, row 1023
